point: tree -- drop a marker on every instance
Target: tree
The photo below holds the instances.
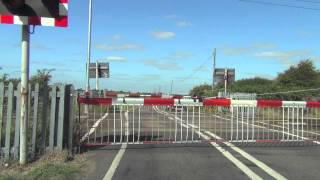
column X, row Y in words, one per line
column 42, row 77
column 299, row 77
column 302, row 75
column 4, row 78
column 256, row 85
column 204, row 90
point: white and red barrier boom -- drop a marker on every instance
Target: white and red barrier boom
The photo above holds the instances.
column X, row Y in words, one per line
column 196, row 102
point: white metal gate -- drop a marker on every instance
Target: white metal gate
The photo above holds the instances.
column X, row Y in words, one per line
column 106, row 121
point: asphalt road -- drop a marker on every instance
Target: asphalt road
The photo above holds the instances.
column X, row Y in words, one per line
column 196, row 160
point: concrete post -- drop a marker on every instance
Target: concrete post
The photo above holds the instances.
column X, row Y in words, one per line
column 24, row 93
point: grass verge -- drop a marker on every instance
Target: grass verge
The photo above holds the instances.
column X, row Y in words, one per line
column 53, row 166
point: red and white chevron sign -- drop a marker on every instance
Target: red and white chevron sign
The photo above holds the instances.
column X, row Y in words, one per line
column 34, row 12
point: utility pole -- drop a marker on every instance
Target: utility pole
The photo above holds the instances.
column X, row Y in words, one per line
column 225, row 81
column 25, row 46
column 171, row 87
column 214, row 68
column 89, row 47
column 97, row 76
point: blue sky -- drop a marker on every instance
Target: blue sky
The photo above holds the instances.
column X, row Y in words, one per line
column 150, row 43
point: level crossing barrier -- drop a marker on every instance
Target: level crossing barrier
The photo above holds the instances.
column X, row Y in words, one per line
column 109, row 121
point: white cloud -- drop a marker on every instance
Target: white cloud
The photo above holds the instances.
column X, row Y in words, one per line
column 168, row 66
column 184, row 24
column 286, row 58
column 163, row 35
column 116, row 59
column 180, row 55
column 239, row 51
column 202, row 69
column 171, row 16
column 121, row 47
column 116, row 37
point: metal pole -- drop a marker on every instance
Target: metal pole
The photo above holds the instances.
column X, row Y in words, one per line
column 89, row 46
column 214, row 68
column 24, row 93
column 225, row 82
column 171, row 87
column 97, row 76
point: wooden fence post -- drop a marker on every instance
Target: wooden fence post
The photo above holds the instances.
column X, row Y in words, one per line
column 70, row 110
column 17, row 123
column 61, row 117
column 44, row 115
column 9, row 121
column 35, row 120
column 52, row 117
column 1, row 110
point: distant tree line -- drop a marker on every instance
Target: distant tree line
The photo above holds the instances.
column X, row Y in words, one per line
column 42, row 77
column 299, row 82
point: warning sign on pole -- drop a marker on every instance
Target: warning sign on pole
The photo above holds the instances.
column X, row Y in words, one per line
column 103, row 70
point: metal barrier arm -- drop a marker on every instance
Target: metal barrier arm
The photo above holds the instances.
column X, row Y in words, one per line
column 190, row 102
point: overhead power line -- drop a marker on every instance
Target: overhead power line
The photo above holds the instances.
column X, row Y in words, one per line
column 308, row 1
column 280, row 4
column 288, row 92
column 197, row 69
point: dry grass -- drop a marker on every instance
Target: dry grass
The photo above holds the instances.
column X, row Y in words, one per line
column 52, row 166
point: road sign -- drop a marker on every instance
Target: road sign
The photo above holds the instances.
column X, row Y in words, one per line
column 219, row 75
column 34, row 12
column 103, row 70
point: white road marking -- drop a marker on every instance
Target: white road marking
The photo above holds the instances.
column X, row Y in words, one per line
column 94, row 127
column 234, row 160
column 245, row 169
column 126, row 124
column 260, row 164
column 117, row 159
column 115, row 163
column 293, row 135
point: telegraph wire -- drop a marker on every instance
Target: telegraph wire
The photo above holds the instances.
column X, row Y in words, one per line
column 280, row 4
column 308, row 1
column 197, row 69
column 288, row 92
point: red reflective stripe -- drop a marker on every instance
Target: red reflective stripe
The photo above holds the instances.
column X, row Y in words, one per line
column 95, row 101
column 34, row 20
column 63, row 1
column 158, row 142
column 158, row 101
column 7, row 19
column 269, row 103
column 313, row 104
column 61, row 21
column 94, row 145
column 268, row 141
column 217, row 102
